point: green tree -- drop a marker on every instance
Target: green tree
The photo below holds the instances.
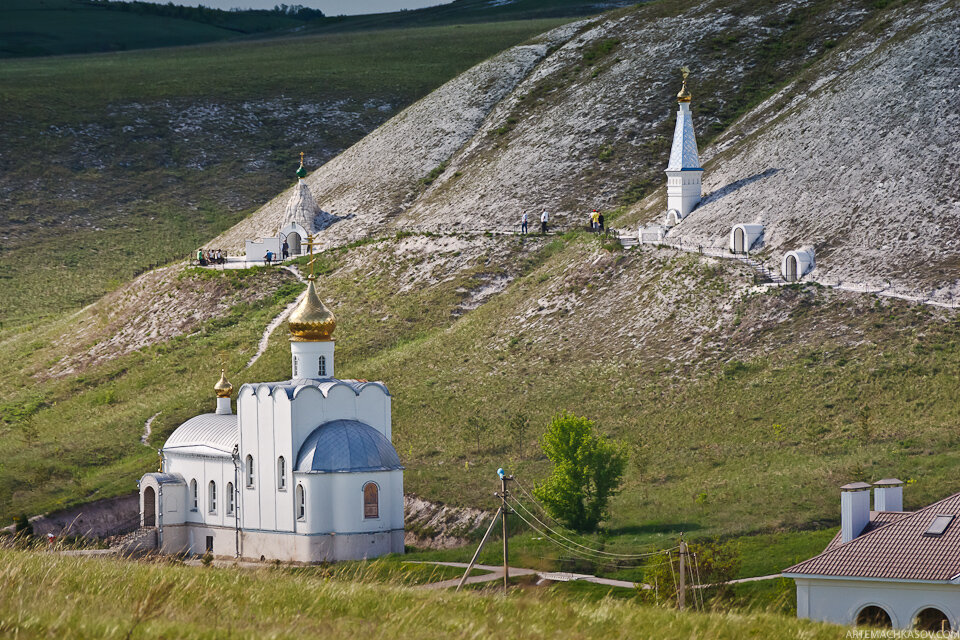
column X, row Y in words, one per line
column 587, row 472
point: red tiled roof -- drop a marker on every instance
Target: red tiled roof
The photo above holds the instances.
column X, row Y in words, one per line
column 877, row 520
column 897, row 550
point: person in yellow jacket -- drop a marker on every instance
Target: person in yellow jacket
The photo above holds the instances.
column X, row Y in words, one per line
column 595, row 221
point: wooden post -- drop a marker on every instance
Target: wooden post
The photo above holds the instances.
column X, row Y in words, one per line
column 476, row 555
column 682, row 599
column 504, row 510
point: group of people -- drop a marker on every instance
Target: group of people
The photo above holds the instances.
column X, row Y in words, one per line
column 596, row 222
column 211, row 256
column 524, row 221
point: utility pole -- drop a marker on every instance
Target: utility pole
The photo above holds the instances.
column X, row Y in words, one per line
column 504, row 510
column 501, row 513
column 682, row 600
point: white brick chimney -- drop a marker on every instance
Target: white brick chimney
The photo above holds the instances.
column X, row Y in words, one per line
column 854, row 510
column 888, row 495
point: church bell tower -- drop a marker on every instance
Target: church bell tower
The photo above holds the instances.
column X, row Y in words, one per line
column 684, row 175
column 311, row 326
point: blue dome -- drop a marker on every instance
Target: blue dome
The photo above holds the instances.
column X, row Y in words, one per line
column 346, row 445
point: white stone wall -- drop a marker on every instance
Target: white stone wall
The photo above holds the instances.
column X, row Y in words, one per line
column 840, row 601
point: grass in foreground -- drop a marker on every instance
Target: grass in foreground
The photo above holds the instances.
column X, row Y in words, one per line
column 48, row 595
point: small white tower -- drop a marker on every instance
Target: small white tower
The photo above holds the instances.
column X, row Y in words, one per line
column 311, row 332
column 684, row 175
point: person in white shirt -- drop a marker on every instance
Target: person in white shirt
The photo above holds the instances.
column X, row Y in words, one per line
column 543, row 221
column 523, row 223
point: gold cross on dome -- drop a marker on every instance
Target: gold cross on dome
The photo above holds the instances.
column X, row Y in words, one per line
column 311, row 243
column 301, row 157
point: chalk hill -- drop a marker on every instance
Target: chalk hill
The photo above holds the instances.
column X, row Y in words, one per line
column 856, row 155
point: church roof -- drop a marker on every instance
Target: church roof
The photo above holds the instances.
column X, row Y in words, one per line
column 345, row 446
column 683, row 153
column 301, row 207
column 209, row 434
column 324, row 385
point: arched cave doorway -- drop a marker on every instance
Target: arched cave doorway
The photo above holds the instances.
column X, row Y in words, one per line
column 293, row 241
column 874, row 616
column 739, row 241
column 149, row 507
column 792, row 269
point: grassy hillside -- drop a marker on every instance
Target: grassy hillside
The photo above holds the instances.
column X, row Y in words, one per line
column 155, row 152
column 56, row 27
column 116, row 599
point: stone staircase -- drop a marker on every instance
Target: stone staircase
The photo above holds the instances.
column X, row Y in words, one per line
column 136, row 542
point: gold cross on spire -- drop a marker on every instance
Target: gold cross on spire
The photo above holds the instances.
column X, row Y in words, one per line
column 311, row 243
column 301, row 157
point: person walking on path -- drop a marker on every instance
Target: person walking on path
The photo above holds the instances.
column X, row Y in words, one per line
column 599, row 223
column 523, row 223
column 544, row 218
column 595, row 221
column 286, row 250
column 269, row 257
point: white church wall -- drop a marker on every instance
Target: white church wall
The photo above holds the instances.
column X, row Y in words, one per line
column 347, row 501
column 373, row 409
column 265, row 455
column 281, row 502
column 840, row 601
column 341, row 403
column 308, row 412
column 318, row 514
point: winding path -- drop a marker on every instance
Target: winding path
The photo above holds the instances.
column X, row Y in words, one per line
column 277, row 321
column 144, row 439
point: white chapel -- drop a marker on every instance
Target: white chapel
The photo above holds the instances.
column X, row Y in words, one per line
column 304, row 471
column 684, row 174
column 299, row 221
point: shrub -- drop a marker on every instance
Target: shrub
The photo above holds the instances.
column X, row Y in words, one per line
column 587, row 472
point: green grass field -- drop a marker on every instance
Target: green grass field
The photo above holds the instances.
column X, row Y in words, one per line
column 107, row 598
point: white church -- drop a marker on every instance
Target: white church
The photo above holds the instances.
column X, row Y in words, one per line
column 304, row 471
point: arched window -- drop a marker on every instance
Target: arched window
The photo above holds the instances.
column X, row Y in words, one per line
column 296, row 366
column 301, row 503
column 931, row 619
column 371, row 500
column 281, row 474
column 874, row 616
column 212, row 497
column 231, row 499
column 194, row 498
column 249, row 472
column 323, row 366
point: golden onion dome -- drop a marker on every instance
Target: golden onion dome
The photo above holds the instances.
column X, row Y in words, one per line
column 223, row 388
column 684, row 95
column 311, row 321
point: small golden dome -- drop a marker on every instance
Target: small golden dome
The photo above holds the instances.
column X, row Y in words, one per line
column 684, row 95
column 311, row 321
column 223, row 388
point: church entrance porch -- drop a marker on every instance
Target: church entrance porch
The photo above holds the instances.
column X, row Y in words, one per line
column 149, row 507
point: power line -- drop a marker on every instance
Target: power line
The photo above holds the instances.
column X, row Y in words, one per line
column 556, row 533
column 630, row 556
column 576, row 552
